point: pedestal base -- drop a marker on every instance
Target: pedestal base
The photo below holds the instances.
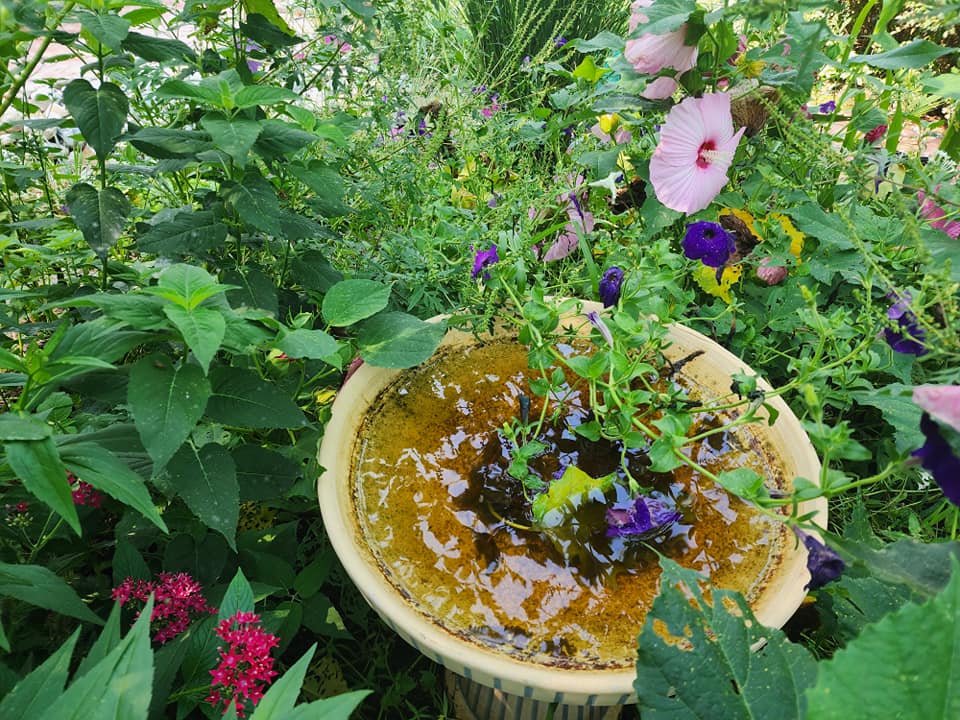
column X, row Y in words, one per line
column 472, row 701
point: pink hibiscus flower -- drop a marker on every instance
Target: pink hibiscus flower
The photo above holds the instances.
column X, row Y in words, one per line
column 652, row 53
column 660, row 89
column 929, row 210
column 697, row 143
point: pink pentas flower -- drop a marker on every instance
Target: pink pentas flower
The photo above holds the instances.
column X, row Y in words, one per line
column 84, row 493
column 246, row 667
column 177, row 601
column 929, row 210
column 696, row 148
column 651, row 53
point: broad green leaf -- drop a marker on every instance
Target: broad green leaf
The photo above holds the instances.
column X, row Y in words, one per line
column 914, row 54
column 238, row 598
column 263, row 473
column 398, row 340
column 253, row 289
column 567, row 493
column 314, row 344
column 109, row 30
column 259, row 29
column 903, row 665
column 279, row 700
column 338, row 707
column 202, row 330
column 589, row 71
column 108, row 639
column 38, row 586
column 119, row 686
column 128, row 562
column 38, row 466
column 603, row 40
column 235, row 136
column 101, row 215
column 188, row 233
column 253, row 95
column 327, row 183
column 206, row 479
column 945, row 86
column 241, row 398
column 187, row 285
column 944, row 250
column 180, row 89
column 360, row 8
column 166, row 402
column 167, row 143
column 695, row 659
column 897, row 409
column 158, row 49
column 23, row 427
column 99, row 113
column 312, row 271
column 201, row 652
column 743, row 482
column 31, row 697
column 167, row 661
column 350, row 301
column 280, row 139
column 99, row 467
column 255, row 201
column 269, row 12
column 665, row 16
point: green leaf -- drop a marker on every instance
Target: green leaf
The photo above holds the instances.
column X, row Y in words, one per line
column 31, row 697
column 944, row 250
column 278, row 702
column 398, row 340
column 101, row 215
column 102, row 469
column 108, row 640
column 255, row 201
column 105, row 692
column 263, row 473
column 188, row 233
column 327, row 183
column 279, row 139
column 360, row 8
column 663, row 457
column 914, row 54
column 168, row 143
column 158, row 49
column 339, row 707
column 23, row 427
column 743, row 482
column 589, row 71
column 696, row 660
column 38, row 586
column 235, row 136
column 4, row 640
column 567, row 493
column 180, row 89
column 312, row 271
column 268, row 11
column 166, row 402
column 202, row 330
column 241, row 398
column 109, row 30
column 187, row 285
column 907, row 661
column 314, row 344
column 206, row 479
column 604, row 40
column 259, row 29
column 38, row 466
column 238, row 598
column 100, row 114
column 253, row 95
column 945, row 86
column 127, row 562
column 665, row 16
column 350, row 301
column 896, row 406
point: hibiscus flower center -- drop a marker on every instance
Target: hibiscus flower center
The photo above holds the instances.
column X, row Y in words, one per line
column 708, row 154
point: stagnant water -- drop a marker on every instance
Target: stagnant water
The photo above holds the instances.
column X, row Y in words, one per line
column 432, row 494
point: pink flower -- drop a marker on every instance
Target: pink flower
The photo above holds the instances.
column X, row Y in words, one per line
column 581, row 222
column 933, row 212
column 246, row 667
column 697, row 144
column 873, row 135
column 652, row 53
column 177, row 600
column 941, row 402
column 660, row 89
column 771, row 274
column 85, row 494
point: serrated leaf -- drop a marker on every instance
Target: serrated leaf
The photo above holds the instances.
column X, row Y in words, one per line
column 101, row 215
column 339, row 707
column 39, row 586
column 235, row 136
column 263, row 473
column 398, row 340
column 906, row 662
column 169, row 143
column 206, row 479
column 915, row 54
column 255, row 201
column 695, row 659
column 202, row 330
column 565, row 494
column 923, row 568
column 241, row 398
column 268, row 11
column 189, row 233
column 99, row 113
column 166, row 402
column 158, row 49
column 280, row 139
column 743, row 482
column 350, row 301
column 238, row 598
column 99, row 467
column 38, row 466
column 897, row 408
column 314, row 344
column 31, row 697
column 109, row 30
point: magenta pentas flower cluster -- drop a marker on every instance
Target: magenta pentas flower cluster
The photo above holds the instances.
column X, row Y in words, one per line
column 246, row 667
column 85, row 494
column 177, row 601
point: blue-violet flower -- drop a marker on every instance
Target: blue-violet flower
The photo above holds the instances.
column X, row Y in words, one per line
column 645, row 519
column 483, row 260
column 940, row 418
column 909, row 338
column 610, row 286
column 823, row 562
column 709, row 242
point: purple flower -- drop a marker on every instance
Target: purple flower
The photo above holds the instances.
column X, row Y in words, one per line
column 828, row 108
column 645, row 519
column 483, row 260
column 610, row 286
column 941, row 415
column 909, row 336
column 823, row 563
column 559, row 41
column 709, row 242
column 599, row 324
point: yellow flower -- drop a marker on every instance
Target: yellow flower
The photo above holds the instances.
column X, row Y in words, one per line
column 608, row 122
column 706, row 277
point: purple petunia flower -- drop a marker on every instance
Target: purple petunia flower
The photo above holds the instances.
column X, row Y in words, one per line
column 483, row 260
column 909, row 337
column 941, row 415
column 828, row 108
column 599, row 324
column 709, row 242
column 610, row 286
column 645, row 519
column 823, row 563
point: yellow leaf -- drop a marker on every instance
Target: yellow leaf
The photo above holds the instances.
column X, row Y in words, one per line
column 706, row 277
